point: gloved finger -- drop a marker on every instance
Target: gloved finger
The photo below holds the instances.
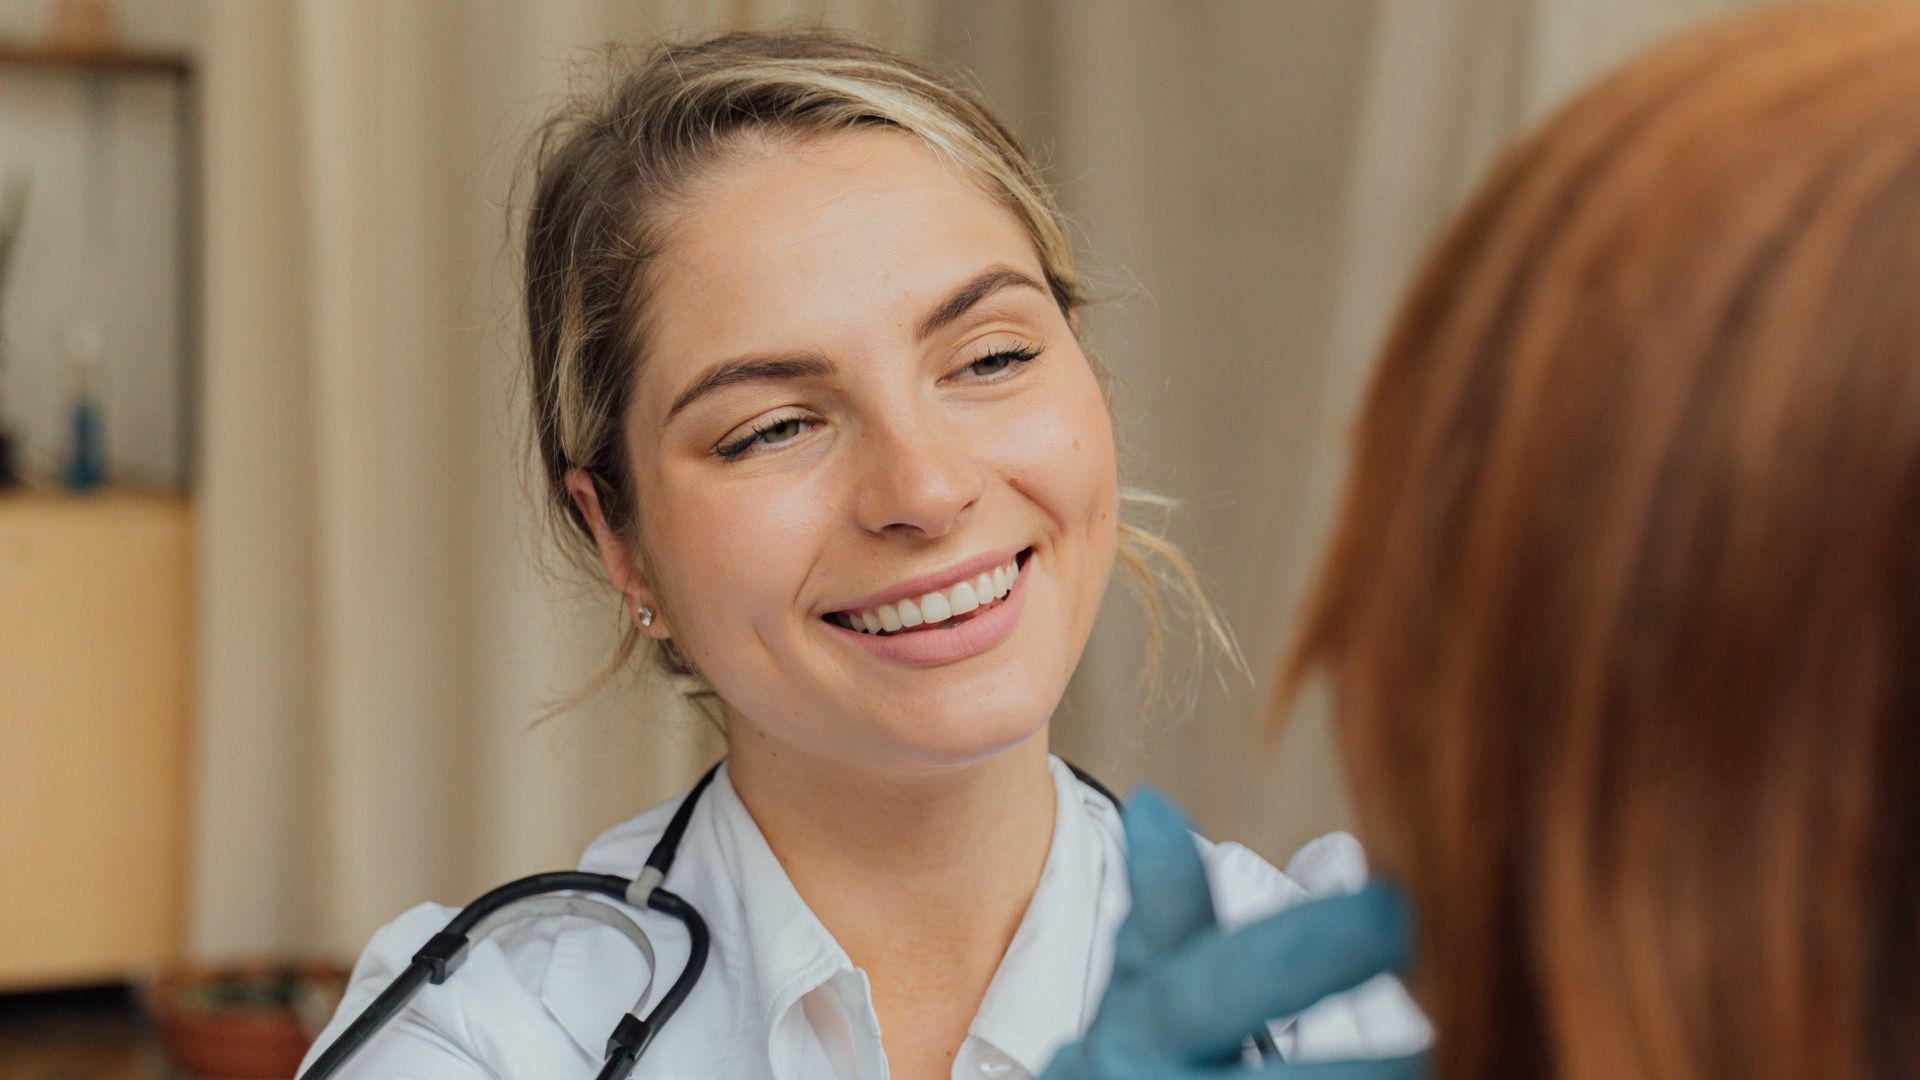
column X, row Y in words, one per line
column 1405, row 1068
column 1201, row 1002
column 1171, row 900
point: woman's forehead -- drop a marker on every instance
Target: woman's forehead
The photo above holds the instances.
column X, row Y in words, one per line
column 796, row 245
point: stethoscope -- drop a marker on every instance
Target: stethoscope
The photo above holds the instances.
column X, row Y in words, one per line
column 533, row 897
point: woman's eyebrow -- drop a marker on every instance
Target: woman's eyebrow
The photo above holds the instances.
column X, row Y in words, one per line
column 757, row 369
column 752, row 369
column 976, row 289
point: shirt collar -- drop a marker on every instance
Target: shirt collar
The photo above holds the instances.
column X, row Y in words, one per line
column 786, row 951
column 1047, row 984
column 770, row 951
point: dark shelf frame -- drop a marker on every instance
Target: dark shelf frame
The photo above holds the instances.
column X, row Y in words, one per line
column 102, row 65
column 96, row 61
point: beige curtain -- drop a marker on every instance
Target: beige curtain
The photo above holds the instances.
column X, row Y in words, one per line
column 379, row 629
column 1254, row 181
column 1269, row 177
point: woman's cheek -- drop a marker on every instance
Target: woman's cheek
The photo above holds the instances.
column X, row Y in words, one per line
column 1058, row 448
column 741, row 549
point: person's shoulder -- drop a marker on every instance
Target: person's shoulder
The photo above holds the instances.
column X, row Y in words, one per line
column 1247, row 887
column 1375, row 1019
column 623, row 849
column 488, row 1019
column 392, row 946
column 545, row 983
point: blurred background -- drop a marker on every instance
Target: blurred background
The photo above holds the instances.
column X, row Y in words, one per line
column 275, row 615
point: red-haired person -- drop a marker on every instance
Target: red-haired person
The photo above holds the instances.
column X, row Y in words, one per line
column 1621, row 615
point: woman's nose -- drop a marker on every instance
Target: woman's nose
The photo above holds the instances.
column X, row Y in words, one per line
column 917, row 475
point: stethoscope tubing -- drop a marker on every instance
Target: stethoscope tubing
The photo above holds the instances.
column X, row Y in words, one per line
column 443, row 953
column 437, row 960
column 632, row 1035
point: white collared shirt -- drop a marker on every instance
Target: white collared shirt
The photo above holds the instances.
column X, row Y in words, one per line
column 780, row 1000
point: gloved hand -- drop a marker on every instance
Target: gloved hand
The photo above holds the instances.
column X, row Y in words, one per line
column 1186, row 994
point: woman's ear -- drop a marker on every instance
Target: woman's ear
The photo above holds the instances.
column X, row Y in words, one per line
column 619, row 556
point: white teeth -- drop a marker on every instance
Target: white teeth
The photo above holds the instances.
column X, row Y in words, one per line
column 910, row 614
column 986, row 588
column 935, row 607
column 963, row 598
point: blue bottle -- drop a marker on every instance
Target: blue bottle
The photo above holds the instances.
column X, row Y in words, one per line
column 86, row 466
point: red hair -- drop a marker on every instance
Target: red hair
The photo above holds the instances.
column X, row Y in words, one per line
column 1622, row 610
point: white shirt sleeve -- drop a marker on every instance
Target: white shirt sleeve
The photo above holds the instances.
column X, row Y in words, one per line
column 483, row 1023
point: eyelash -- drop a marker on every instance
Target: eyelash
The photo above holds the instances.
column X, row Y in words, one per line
column 745, row 442
column 1016, row 355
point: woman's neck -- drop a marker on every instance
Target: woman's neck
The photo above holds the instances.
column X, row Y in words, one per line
column 915, row 845
column 921, row 875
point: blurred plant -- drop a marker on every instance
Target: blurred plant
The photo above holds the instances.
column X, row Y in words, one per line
column 13, row 212
column 12, row 216
column 274, row 988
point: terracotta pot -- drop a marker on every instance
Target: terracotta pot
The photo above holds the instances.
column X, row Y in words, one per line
column 223, row 1023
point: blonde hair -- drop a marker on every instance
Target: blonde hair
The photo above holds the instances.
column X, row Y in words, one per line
column 608, row 168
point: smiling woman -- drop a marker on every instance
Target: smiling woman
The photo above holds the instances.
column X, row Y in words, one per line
column 856, row 391
column 760, row 95
column 808, row 390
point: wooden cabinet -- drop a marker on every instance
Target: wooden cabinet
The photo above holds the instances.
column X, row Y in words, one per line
column 96, row 644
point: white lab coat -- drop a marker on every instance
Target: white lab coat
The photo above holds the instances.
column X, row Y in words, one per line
column 779, row 999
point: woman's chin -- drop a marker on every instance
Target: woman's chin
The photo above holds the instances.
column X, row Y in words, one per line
column 952, row 737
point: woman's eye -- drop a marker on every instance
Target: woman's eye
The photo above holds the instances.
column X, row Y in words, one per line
column 765, row 435
column 995, row 365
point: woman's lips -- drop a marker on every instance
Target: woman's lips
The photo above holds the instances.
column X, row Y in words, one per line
column 957, row 638
column 958, row 597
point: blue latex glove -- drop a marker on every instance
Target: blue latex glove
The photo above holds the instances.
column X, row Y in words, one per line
column 1186, row 994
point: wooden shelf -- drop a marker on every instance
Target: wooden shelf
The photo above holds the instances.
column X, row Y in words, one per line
column 96, row 681
column 95, row 61
column 22, row 498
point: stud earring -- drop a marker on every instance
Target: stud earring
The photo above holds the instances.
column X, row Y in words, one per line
column 643, row 613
